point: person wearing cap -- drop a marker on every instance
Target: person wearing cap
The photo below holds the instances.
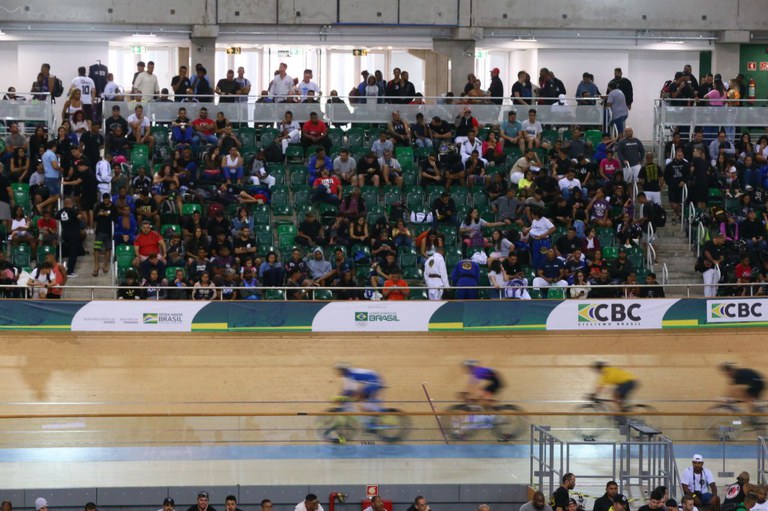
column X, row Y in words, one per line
column 699, row 482
column 573, row 505
column 168, row 505
column 496, row 88
column 202, row 503
column 41, row 504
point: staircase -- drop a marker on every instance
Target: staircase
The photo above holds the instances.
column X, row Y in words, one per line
column 672, row 249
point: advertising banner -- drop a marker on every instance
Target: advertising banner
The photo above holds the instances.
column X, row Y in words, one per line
column 608, row 314
column 136, row 316
column 376, row 316
column 742, row 310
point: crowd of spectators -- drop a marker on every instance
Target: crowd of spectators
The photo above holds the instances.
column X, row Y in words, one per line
column 503, row 206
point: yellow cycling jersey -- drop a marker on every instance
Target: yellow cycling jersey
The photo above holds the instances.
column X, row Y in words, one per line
column 615, row 376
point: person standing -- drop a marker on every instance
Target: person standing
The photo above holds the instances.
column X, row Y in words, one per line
column 436, row 274
column 146, row 83
column 180, row 83
column 87, row 91
column 71, row 239
column 496, row 89
column 630, row 152
column 105, row 214
column 561, row 496
column 624, row 85
column 605, row 502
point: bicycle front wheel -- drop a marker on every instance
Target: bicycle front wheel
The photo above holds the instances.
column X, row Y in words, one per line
column 509, row 427
column 592, row 422
column 727, row 427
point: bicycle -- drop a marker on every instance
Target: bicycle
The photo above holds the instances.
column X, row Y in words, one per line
column 731, row 427
column 464, row 427
column 599, row 417
column 339, row 429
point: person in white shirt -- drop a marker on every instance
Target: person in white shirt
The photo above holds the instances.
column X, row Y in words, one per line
column 307, row 85
column 699, row 482
column 87, row 90
column 472, row 143
column 310, row 503
column 532, row 131
column 538, row 235
column 391, row 169
column 762, row 504
column 111, row 89
column 568, row 184
column 281, row 85
column 436, row 274
column 146, row 83
column 104, row 176
column 139, row 128
column 290, row 131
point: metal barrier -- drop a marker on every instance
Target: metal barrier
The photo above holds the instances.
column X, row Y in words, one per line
column 647, row 462
column 343, row 110
column 36, row 108
column 762, row 456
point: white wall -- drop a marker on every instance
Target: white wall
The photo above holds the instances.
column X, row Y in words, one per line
column 63, row 57
column 9, row 76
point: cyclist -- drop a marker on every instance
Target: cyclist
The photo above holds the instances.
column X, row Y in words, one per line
column 361, row 385
column 746, row 384
column 623, row 382
column 484, row 383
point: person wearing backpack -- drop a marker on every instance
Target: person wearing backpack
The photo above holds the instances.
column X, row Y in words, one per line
column 50, row 83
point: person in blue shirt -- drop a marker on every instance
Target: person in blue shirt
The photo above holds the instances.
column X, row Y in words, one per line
column 484, row 383
column 361, row 385
column 318, row 161
column 466, row 275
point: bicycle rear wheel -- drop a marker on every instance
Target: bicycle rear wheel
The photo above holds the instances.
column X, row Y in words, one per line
column 728, row 427
column 509, row 427
column 593, row 423
column 337, row 428
column 391, row 428
column 460, row 427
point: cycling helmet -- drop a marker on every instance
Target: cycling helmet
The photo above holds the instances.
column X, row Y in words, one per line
column 599, row 364
column 727, row 366
column 341, row 366
column 470, row 363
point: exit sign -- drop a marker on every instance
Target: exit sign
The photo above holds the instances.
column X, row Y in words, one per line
column 360, row 52
column 138, row 50
column 751, row 66
column 234, row 50
column 481, row 54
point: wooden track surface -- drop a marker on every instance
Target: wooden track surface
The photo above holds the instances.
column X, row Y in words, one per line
column 103, row 373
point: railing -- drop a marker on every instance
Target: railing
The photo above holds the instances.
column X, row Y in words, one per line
column 665, row 275
column 762, row 456
column 650, row 255
column 343, row 110
column 35, row 107
column 314, row 293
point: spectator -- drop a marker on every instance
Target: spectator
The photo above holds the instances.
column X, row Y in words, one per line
column 430, row 172
column 605, row 502
column 315, row 132
column 344, row 168
column 311, row 232
column 148, row 242
column 383, row 143
column 538, row 503
column 139, row 130
column 390, row 167
column 71, row 237
column 444, row 209
column 619, row 105
column 399, row 131
column 320, row 271
column 369, row 171
column 129, row 287
column 204, row 289
column 466, row 275
column 310, row 503
column 204, row 129
column 532, row 132
column 41, row 280
column 419, row 504
column 421, row 132
column 395, row 288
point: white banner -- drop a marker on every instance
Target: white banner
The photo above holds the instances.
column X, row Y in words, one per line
column 375, row 316
column 608, row 314
column 136, row 316
column 744, row 310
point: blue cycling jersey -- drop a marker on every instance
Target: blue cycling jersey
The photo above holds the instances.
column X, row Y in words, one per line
column 483, row 373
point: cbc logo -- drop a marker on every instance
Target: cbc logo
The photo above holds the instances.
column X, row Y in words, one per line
column 609, row 313
column 736, row 310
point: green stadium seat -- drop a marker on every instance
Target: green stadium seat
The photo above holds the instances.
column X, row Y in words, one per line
column 44, row 250
column 247, row 136
column 322, row 294
column 355, row 138
column 21, row 255
column 268, row 136
column 336, row 135
column 610, row 253
column 162, row 136
column 140, row 156
column 274, row 294
column 294, row 153
column 170, row 272
column 190, row 207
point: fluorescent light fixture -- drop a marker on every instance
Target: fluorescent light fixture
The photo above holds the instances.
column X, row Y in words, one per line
column 525, row 39
column 143, row 35
column 675, row 41
column 1, row 32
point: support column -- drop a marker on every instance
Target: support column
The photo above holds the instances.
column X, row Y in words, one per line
column 184, row 57
column 461, row 54
column 725, row 60
column 204, row 50
column 436, row 71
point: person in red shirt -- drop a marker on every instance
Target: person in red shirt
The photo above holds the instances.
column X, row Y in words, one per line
column 744, row 276
column 391, row 285
column 204, row 128
column 326, row 188
column 148, row 242
column 48, row 229
column 315, row 132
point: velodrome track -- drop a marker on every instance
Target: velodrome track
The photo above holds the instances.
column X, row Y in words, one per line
column 49, row 372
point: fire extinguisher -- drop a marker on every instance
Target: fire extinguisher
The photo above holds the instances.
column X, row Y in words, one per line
column 751, row 92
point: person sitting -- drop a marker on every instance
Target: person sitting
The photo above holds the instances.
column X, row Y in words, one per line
column 395, row 288
column 550, row 273
column 326, row 188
